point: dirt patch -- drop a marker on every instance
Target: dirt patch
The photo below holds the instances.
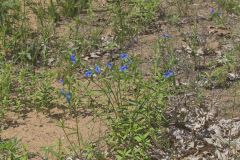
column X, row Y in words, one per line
column 37, row 130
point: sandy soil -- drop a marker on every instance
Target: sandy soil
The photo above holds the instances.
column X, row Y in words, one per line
column 37, row 130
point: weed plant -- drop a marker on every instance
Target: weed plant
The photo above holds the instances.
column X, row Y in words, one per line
column 11, row 149
column 130, row 104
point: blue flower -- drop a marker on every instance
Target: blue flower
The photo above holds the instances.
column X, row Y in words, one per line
column 123, row 56
column 109, row 65
column 212, row 11
column 88, row 73
column 165, row 35
column 62, row 91
column 61, row 81
column 168, row 74
column 73, row 58
column 97, row 69
column 68, row 97
column 219, row 14
column 123, row 68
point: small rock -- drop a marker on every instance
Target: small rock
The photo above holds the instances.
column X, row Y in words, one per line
column 228, row 47
column 222, row 61
column 200, row 52
column 95, row 54
column 237, row 40
column 86, row 58
column 233, row 77
column 50, row 61
column 187, row 49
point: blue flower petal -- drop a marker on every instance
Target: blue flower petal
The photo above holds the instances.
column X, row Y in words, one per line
column 109, row 65
column 165, row 35
column 97, row 69
column 68, row 97
column 123, row 68
column 88, row 73
column 73, row 58
column 61, row 81
column 212, row 11
column 62, row 91
column 123, row 56
column 168, row 74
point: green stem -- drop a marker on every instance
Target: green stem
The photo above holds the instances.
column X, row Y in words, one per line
column 109, row 98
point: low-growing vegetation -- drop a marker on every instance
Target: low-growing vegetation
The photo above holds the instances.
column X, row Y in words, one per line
column 119, row 79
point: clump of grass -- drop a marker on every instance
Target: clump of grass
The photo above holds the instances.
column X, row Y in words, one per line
column 183, row 6
column 5, row 87
column 11, row 149
column 130, row 17
column 72, row 8
column 9, row 29
column 231, row 6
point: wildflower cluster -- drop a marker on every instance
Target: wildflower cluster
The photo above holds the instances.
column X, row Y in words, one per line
column 125, row 62
column 97, row 70
column 124, row 57
column 89, row 73
column 124, row 66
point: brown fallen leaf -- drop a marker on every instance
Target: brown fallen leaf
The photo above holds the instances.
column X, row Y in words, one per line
column 218, row 31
